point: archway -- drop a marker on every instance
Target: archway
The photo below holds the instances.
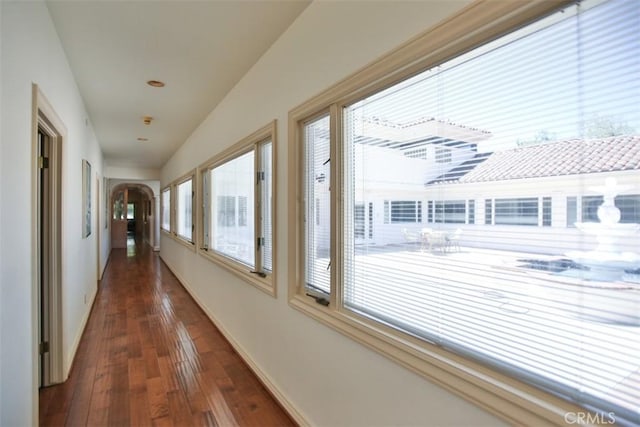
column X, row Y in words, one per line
column 133, row 214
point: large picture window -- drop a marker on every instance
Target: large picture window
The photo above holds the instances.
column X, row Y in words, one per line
column 450, row 211
column 541, row 126
column 237, row 191
column 516, row 211
column 231, row 182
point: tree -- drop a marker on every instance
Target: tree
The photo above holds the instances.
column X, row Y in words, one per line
column 606, row 126
column 540, row 137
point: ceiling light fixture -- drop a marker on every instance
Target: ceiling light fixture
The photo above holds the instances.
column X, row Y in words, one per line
column 147, row 120
column 155, row 83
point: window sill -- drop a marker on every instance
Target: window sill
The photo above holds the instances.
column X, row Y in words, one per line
column 265, row 284
column 505, row 397
column 184, row 242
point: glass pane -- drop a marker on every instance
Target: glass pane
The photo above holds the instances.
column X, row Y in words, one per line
column 317, row 202
column 184, row 217
column 267, row 206
column 232, row 206
column 118, row 206
column 131, row 210
column 166, row 210
column 506, row 144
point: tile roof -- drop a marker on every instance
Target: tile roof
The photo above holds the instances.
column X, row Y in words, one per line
column 571, row 157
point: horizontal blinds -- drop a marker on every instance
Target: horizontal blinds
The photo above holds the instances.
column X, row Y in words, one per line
column 317, row 205
column 184, row 216
column 166, row 209
column 502, row 198
column 266, row 194
column 232, row 226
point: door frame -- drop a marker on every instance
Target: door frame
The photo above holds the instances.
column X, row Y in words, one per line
column 45, row 118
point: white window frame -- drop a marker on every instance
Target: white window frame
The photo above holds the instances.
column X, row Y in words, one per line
column 259, row 277
column 190, row 176
column 513, row 400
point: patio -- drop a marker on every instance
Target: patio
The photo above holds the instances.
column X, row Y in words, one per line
column 501, row 304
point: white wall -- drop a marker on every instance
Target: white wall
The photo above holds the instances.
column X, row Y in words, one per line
column 31, row 53
column 1, row 223
column 328, row 378
column 130, row 173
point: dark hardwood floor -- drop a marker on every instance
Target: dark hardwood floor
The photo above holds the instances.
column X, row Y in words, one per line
column 150, row 356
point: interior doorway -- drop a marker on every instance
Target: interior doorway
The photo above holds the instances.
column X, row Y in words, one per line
column 48, row 135
column 132, row 215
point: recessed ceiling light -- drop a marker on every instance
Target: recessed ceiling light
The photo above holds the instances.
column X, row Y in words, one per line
column 143, row 139
column 147, row 120
column 155, row 83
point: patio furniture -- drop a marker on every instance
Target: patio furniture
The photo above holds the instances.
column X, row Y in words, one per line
column 433, row 239
column 453, row 240
column 411, row 237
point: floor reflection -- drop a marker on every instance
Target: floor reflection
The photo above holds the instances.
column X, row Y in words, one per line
column 131, row 245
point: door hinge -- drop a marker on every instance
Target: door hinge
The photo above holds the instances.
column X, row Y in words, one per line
column 44, row 347
column 43, row 162
column 260, row 176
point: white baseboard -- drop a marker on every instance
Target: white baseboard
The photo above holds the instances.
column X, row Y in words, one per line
column 68, row 363
column 264, row 378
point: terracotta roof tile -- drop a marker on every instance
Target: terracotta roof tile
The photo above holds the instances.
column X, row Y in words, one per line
column 569, row 157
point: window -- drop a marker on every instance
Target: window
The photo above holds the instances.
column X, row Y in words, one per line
column 590, row 206
column 443, row 155
column 417, row 153
column 317, row 163
column 546, row 211
column 629, row 206
column 450, row 211
column 387, row 214
column 226, row 211
column 166, row 209
column 537, row 318
column 370, row 220
column 572, row 211
column 184, row 209
column 237, row 192
column 358, row 221
column 118, row 206
column 488, row 211
column 516, row 211
column 131, row 210
column 403, row 211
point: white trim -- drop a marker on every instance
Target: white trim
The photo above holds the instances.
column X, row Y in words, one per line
column 43, row 114
column 249, row 144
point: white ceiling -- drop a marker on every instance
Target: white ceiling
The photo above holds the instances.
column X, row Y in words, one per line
column 200, row 49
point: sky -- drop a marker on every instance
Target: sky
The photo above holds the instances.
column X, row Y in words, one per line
column 555, row 79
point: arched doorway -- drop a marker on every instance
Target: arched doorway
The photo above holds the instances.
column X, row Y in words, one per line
column 133, row 215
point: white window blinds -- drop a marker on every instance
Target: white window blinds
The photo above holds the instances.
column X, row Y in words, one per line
column 232, row 205
column 184, row 216
column 317, row 204
column 527, row 257
column 166, row 209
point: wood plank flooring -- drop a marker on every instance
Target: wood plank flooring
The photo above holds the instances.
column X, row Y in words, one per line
column 150, row 357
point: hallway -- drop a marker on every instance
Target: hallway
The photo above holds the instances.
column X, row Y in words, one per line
column 150, row 356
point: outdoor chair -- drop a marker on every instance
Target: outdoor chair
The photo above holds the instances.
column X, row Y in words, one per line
column 453, row 240
column 410, row 237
